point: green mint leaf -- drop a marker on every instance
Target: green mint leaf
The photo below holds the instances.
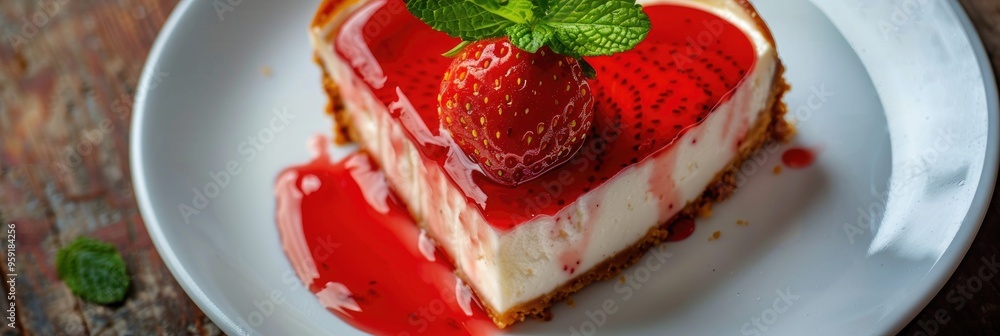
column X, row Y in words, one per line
column 525, row 38
column 573, row 28
column 93, row 270
column 472, row 20
column 517, row 11
column 541, row 8
column 595, row 27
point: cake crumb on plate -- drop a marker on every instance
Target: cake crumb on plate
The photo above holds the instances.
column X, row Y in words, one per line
column 715, row 236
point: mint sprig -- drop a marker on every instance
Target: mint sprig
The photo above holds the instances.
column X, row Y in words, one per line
column 93, row 270
column 583, row 29
column 472, row 19
column 530, row 38
column 574, row 28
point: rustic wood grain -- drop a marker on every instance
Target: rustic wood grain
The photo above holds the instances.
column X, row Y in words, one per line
column 64, row 173
column 65, row 96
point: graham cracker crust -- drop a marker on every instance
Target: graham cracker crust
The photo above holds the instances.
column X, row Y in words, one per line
column 770, row 127
column 342, row 132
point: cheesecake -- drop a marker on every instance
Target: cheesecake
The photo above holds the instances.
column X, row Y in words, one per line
column 673, row 120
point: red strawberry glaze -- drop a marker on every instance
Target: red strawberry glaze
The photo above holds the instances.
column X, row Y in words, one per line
column 645, row 98
column 662, row 186
column 353, row 244
column 682, row 229
column 573, row 256
column 798, row 158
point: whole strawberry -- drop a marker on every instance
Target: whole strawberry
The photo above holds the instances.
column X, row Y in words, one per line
column 515, row 113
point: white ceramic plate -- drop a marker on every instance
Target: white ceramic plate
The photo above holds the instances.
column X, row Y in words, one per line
column 897, row 95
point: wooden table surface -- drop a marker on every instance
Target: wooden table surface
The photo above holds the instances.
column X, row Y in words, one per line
column 66, row 89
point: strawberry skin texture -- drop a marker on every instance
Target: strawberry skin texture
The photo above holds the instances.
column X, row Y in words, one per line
column 514, row 113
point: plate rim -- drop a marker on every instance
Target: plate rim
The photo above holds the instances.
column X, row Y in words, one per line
column 141, row 190
column 976, row 214
column 988, row 180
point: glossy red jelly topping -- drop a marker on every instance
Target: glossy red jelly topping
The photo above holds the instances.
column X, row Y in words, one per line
column 798, row 158
column 681, row 229
column 354, row 245
column 646, row 98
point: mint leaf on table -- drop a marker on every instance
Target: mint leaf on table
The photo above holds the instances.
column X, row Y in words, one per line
column 573, row 28
column 93, row 270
